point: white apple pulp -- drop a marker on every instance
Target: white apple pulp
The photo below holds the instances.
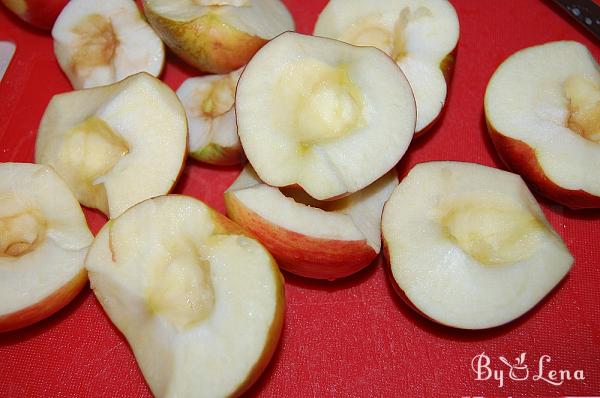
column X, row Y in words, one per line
column 469, row 246
column 181, row 282
column 322, row 114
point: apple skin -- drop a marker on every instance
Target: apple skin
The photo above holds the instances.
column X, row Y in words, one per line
column 206, row 43
column 447, row 67
column 521, row 159
column 299, row 254
column 39, row 13
column 46, row 307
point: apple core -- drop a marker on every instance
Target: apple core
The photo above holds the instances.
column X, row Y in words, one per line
column 22, row 231
column 318, row 102
column 491, row 229
column 219, row 99
column 181, row 289
column 97, row 43
column 583, row 95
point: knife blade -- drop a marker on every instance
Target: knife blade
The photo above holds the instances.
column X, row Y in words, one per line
column 7, row 51
column 586, row 12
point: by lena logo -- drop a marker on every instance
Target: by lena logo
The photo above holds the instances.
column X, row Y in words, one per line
column 518, row 370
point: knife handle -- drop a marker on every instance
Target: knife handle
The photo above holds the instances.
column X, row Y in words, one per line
column 586, row 12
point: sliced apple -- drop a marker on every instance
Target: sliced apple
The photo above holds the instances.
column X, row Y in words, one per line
column 543, row 111
column 39, row 13
column 322, row 240
column 322, row 114
column 200, row 303
column 209, row 106
column 217, row 36
column 420, row 35
column 102, row 42
column 44, row 239
column 115, row 145
column 468, row 245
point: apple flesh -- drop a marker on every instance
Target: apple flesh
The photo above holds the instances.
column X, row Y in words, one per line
column 324, row 115
column 209, row 106
column 542, row 107
column 102, row 42
column 39, row 13
column 44, row 239
column 468, row 246
column 321, row 240
column 217, row 36
column 115, row 145
column 200, row 303
column 420, row 35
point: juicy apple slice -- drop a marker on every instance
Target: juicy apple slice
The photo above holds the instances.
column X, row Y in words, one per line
column 322, row 114
column 543, row 112
column 39, row 13
column 200, row 303
column 322, row 240
column 44, row 239
column 468, row 245
column 217, row 36
column 209, row 106
column 420, row 35
column 102, row 42
column 115, row 145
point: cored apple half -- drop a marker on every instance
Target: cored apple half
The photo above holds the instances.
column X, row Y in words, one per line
column 217, row 36
column 209, row 106
column 543, row 112
column 322, row 240
column 102, row 42
column 200, row 303
column 115, row 145
column 44, row 239
column 324, row 115
column 420, row 35
column 468, row 245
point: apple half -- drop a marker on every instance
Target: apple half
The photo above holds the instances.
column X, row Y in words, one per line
column 420, row 35
column 543, row 112
column 321, row 240
column 102, row 42
column 468, row 245
column 39, row 13
column 209, row 106
column 217, row 36
column 200, row 303
column 115, row 145
column 44, row 239
column 323, row 115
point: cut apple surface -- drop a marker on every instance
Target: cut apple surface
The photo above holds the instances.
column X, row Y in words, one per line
column 543, row 111
column 102, row 42
column 200, row 303
column 217, row 36
column 322, row 114
column 323, row 240
column 115, row 145
column 468, row 245
column 209, row 106
column 420, row 35
column 44, row 239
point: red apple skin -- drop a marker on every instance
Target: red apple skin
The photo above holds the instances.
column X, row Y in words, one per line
column 39, row 13
column 46, row 307
column 447, row 67
column 299, row 254
column 521, row 159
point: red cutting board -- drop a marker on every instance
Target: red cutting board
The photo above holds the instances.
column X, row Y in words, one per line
column 352, row 338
